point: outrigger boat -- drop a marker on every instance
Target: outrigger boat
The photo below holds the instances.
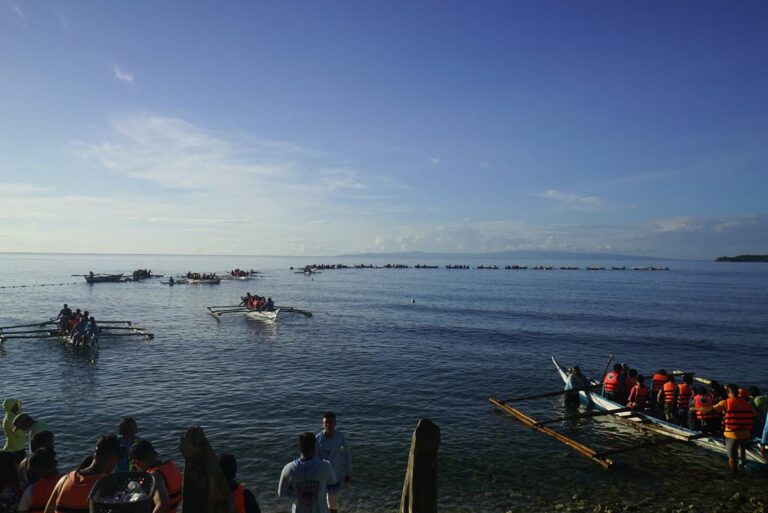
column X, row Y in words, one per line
column 255, row 314
column 103, row 278
column 711, row 443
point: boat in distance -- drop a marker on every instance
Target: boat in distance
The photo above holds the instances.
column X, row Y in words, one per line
column 714, row 444
column 102, row 278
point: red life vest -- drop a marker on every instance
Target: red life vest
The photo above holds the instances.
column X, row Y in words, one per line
column 41, row 492
column 684, row 394
column 669, row 392
column 738, row 415
column 641, row 396
column 238, row 495
column 173, row 481
column 658, row 382
column 704, row 400
column 611, row 382
column 73, row 496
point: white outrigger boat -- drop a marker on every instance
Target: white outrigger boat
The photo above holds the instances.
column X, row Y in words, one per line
column 711, row 443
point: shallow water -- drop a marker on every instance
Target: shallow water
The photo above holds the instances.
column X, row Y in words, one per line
column 382, row 362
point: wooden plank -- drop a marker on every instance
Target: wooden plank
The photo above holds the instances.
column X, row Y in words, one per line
column 573, row 444
column 585, row 415
column 420, row 486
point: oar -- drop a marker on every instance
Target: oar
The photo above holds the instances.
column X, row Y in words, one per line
column 607, row 365
column 548, row 394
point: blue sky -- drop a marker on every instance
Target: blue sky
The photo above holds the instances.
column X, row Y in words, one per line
column 336, row 127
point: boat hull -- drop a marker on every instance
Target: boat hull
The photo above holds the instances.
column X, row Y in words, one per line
column 104, row 278
column 711, row 443
column 262, row 316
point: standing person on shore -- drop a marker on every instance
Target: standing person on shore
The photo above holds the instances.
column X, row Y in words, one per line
column 71, row 492
column 706, row 422
column 245, row 502
column 332, row 446
column 168, row 479
column 127, row 432
column 305, row 480
column 576, row 381
column 668, row 397
column 738, row 418
column 683, row 400
column 14, row 439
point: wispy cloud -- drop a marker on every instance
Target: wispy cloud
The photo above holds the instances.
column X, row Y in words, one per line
column 703, row 225
column 21, row 189
column 434, row 162
column 122, row 74
column 575, row 201
column 484, row 163
column 19, row 17
column 64, row 24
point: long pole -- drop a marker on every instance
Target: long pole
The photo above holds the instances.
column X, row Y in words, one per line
column 605, row 371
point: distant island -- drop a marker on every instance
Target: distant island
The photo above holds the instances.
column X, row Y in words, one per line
column 743, row 258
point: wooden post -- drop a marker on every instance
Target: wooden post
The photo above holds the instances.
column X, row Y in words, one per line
column 205, row 488
column 420, row 487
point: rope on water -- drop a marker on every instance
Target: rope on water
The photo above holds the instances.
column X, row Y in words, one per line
column 38, row 285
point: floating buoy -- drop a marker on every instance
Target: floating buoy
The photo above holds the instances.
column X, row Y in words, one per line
column 413, row 301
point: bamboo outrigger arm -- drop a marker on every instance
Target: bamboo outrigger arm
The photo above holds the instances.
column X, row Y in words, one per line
column 573, row 444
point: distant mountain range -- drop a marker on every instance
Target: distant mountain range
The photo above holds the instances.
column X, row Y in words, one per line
column 522, row 255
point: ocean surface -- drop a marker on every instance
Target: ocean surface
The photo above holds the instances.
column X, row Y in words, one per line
column 384, row 348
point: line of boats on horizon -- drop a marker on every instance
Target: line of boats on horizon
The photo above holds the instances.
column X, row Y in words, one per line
column 312, row 268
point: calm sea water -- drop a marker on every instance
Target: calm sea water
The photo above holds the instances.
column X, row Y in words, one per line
column 382, row 362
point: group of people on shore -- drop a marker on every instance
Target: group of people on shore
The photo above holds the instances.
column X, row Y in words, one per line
column 33, row 483
column 737, row 414
column 78, row 326
column 258, row 303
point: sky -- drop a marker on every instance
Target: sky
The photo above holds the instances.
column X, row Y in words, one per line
column 325, row 128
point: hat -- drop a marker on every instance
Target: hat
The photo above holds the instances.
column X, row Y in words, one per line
column 109, row 444
column 141, row 450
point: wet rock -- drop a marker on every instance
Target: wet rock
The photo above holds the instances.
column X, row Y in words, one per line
column 738, row 498
column 559, row 506
column 515, row 495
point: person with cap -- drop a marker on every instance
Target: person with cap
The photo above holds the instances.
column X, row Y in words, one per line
column 14, row 439
column 245, row 501
column 26, row 424
column 44, row 466
column 168, row 479
column 305, row 480
column 70, row 495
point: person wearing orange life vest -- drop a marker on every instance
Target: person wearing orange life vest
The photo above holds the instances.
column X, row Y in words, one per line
column 630, row 380
column 668, row 397
column 657, row 383
column 698, row 420
column 167, row 476
column 43, row 464
column 70, row 495
column 638, row 396
column 245, row 502
column 683, row 401
column 738, row 418
column 613, row 385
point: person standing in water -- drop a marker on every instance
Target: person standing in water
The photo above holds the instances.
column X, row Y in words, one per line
column 332, row 446
column 305, row 480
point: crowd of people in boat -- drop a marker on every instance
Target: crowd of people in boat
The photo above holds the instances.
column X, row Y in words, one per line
column 33, row 482
column 241, row 273
column 141, row 274
column 258, row 303
column 200, row 276
column 79, row 327
column 738, row 414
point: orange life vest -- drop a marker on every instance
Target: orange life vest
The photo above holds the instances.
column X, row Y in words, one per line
column 641, row 396
column 684, row 394
column 658, row 382
column 738, row 415
column 173, row 481
column 238, row 495
column 611, row 382
column 669, row 392
column 41, row 492
column 704, row 400
column 73, row 496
